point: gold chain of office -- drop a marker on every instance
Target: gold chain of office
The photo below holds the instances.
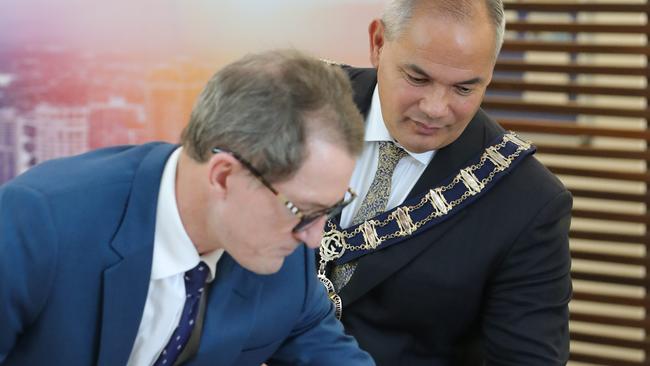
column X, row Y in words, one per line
column 334, row 244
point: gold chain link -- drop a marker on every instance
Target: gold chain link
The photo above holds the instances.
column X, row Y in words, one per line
column 457, row 179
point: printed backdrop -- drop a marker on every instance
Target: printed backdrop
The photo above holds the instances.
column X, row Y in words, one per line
column 81, row 74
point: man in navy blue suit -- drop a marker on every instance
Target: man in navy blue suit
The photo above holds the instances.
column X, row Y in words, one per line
column 159, row 254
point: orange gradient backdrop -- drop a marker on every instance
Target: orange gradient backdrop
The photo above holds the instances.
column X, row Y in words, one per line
column 77, row 74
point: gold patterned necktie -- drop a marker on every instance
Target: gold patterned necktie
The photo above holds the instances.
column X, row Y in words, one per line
column 373, row 204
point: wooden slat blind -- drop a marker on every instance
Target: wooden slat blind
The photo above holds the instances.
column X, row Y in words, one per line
column 573, row 76
column 570, row 68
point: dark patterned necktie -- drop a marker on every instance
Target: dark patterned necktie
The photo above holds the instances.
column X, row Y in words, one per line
column 194, row 285
column 373, row 204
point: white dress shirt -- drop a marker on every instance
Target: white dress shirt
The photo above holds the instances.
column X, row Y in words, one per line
column 406, row 173
column 173, row 255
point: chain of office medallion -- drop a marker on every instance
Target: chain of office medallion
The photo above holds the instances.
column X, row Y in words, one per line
column 424, row 201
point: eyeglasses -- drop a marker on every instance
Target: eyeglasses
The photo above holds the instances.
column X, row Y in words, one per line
column 305, row 219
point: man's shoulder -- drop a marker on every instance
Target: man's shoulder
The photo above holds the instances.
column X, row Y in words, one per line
column 531, row 171
column 363, row 82
column 94, row 168
column 534, row 173
column 358, row 74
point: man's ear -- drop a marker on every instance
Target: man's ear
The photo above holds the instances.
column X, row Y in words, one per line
column 377, row 39
column 221, row 167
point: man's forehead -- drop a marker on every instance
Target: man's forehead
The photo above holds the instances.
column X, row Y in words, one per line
column 459, row 11
column 457, row 54
column 430, row 25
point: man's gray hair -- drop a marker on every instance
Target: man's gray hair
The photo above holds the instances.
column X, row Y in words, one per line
column 265, row 106
column 398, row 13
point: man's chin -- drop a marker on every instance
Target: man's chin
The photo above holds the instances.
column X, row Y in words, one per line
column 422, row 144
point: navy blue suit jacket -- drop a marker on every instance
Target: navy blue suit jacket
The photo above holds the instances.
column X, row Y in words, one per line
column 489, row 286
column 76, row 244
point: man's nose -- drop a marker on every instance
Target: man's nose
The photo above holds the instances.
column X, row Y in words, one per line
column 435, row 104
column 312, row 234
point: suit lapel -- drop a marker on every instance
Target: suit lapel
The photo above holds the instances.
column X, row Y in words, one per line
column 374, row 268
column 127, row 281
column 233, row 301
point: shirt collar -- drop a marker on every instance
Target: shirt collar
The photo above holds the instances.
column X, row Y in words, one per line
column 173, row 251
column 376, row 130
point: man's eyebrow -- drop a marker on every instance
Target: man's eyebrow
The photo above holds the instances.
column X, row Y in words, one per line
column 471, row 81
column 420, row 71
column 417, row 69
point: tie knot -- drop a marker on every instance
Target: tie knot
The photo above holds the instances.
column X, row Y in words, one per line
column 195, row 279
column 390, row 154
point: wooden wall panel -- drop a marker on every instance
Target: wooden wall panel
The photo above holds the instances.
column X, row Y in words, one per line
column 573, row 77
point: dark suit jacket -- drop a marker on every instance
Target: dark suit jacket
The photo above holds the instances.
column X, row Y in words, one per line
column 489, row 286
column 76, row 243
